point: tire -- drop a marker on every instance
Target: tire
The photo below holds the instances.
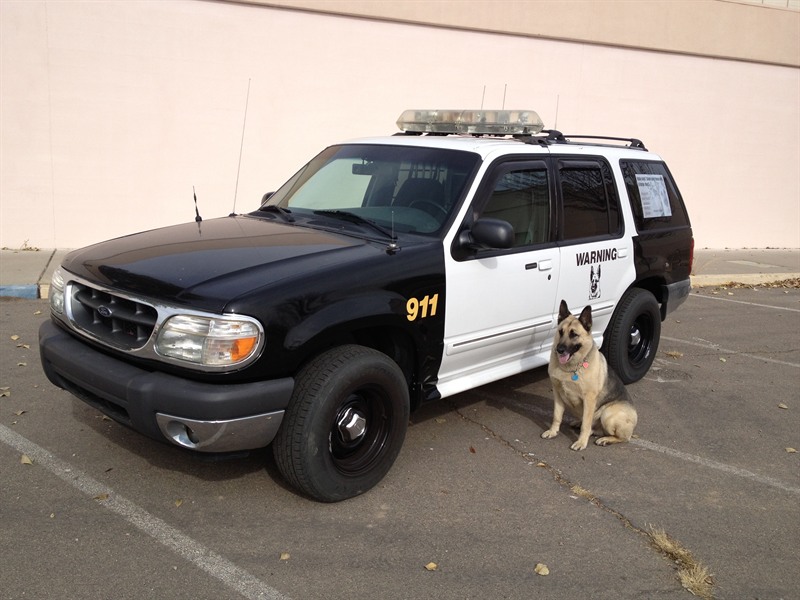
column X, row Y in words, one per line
column 345, row 423
column 631, row 340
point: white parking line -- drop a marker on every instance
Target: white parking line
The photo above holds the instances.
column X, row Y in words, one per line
column 215, row 565
column 747, row 303
column 700, row 343
column 712, row 464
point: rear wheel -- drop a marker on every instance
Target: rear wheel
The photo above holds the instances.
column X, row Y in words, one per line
column 344, row 425
column 632, row 337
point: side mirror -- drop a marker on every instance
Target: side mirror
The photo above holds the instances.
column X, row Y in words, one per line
column 266, row 197
column 492, row 233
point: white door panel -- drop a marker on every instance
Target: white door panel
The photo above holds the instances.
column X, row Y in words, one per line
column 500, row 310
column 596, row 274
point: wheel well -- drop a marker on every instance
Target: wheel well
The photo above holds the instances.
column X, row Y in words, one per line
column 394, row 343
column 654, row 285
column 391, row 341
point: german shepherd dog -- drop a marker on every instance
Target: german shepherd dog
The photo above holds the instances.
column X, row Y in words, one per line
column 583, row 383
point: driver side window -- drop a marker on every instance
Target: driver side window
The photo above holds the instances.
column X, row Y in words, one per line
column 521, row 197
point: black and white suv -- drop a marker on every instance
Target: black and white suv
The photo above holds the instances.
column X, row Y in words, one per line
column 386, row 273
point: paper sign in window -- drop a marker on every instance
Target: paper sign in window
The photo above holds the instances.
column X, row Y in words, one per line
column 654, row 197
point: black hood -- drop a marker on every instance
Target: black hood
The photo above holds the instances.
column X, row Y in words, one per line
column 210, row 263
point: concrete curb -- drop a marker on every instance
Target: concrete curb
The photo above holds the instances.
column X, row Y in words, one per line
column 699, row 281
column 27, row 274
column 20, row 291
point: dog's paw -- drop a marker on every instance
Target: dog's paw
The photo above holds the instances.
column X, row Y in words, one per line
column 579, row 445
column 550, row 433
column 608, row 440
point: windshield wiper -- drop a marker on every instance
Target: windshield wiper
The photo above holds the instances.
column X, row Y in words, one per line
column 352, row 217
column 284, row 213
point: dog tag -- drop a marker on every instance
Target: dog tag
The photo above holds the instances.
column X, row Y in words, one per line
column 585, row 365
column 574, row 377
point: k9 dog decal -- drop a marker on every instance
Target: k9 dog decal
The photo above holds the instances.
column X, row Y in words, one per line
column 594, row 283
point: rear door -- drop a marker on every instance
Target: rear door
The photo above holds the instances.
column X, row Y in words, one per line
column 596, row 255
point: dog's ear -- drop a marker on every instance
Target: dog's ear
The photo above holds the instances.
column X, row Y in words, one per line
column 563, row 311
column 586, row 318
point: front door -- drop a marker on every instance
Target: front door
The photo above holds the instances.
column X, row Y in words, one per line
column 501, row 303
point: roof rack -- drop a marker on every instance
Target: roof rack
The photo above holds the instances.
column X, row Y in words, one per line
column 556, row 137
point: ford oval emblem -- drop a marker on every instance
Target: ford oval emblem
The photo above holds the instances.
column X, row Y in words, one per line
column 104, row 311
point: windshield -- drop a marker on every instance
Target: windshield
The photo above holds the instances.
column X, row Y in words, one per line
column 399, row 188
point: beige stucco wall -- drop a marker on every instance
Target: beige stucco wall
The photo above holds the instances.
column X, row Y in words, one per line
column 111, row 111
column 744, row 30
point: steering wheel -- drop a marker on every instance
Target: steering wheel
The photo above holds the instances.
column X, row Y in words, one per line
column 431, row 208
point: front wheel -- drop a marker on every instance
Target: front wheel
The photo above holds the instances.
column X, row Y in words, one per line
column 632, row 337
column 344, row 425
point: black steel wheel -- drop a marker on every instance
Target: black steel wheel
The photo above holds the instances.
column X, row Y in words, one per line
column 344, row 425
column 631, row 340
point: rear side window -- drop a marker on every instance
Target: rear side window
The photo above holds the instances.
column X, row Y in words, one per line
column 655, row 199
column 589, row 200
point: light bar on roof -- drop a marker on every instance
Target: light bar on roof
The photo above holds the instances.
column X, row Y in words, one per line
column 476, row 122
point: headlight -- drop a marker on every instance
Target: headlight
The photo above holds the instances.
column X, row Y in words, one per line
column 57, row 291
column 209, row 341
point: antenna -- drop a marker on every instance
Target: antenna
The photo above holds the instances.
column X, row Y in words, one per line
column 392, row 248
column 555, row 124
column 197, row 217
column 241, row 146
column 505, row 89
column 483, row 96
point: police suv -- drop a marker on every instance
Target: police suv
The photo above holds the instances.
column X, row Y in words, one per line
column 386, row 273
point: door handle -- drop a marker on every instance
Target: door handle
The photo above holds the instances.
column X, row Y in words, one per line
column 542, row 265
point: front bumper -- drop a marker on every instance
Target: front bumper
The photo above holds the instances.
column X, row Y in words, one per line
column 196, row 415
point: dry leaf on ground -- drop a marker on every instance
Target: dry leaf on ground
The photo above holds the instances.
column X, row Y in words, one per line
column 541, row 569
column 25, row 460
column 285, row 556
column 431, row 566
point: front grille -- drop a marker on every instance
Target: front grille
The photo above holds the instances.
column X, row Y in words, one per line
column 111, row 319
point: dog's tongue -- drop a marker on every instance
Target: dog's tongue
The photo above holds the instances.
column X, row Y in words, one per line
column 564, row 358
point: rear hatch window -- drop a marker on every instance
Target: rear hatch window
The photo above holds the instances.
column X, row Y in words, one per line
column 655, row 199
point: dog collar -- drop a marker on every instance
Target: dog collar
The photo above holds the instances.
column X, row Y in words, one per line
column 584, row 364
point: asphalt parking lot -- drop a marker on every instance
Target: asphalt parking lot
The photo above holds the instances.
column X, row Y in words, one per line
column 92, row 510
